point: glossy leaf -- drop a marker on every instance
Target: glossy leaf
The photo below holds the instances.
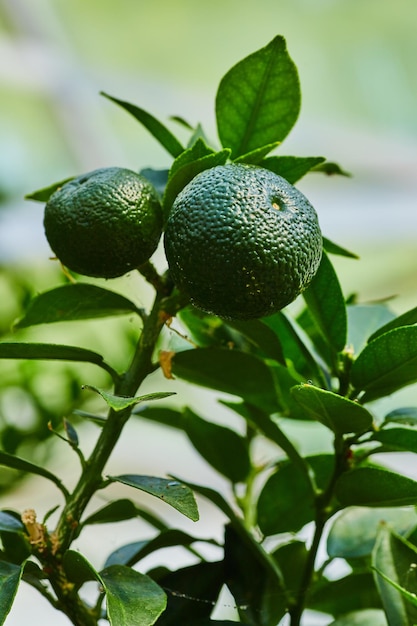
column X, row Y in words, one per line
column 228, row 371
column 174, row 493
column 187, row 172
column 221, row 447
column 258, row 100
column 255, row 157
column 78, row 569
column 373, row 486
column 326, row 304
column 10, row 523
column 132, row 598
column 261, row 335
column 54, row 352
column 408, row 318
column 395, row 558
column 295, row 351
column 77, row 301
column 404, row 415
column 255, row 591
column 10, row 576
column 339, row 414
column 334, row 248
column 397, row 439
column 131, row 553
column 192, row 593
column 119, row 403
column 386, row 364
column 287, row 500
column 353, row 532
column 43, row 195
column 15, row 462
column 290, row 167
column 154, row 126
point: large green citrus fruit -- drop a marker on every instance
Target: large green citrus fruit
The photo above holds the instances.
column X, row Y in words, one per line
column 104, row 223
column 242, row 242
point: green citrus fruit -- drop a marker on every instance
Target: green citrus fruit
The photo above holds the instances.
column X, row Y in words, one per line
column 242, row 242
column 104, row 223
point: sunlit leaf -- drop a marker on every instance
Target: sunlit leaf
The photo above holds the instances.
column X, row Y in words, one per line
column 77, row 301
column 255, row 156
column 171, row 491
column 408, row 318
column 258, row 100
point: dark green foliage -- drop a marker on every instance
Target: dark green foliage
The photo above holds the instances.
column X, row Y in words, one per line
column 302, row 381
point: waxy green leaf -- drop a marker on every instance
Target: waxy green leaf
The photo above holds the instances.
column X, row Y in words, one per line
column 386, row 364
column 258, row 100
column 10, row 576
column 43, row 195
column 78, row 301
column 290, row 167
column 119, row 403
column 154, row 126
column 408, row 318
column 171, row 491
column 373, row 486
column 339, row 414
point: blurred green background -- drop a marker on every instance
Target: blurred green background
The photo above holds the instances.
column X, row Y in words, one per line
column 357, row 66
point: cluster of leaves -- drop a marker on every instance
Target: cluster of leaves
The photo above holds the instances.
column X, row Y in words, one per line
column 323, row 364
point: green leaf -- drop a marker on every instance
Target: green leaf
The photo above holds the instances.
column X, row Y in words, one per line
column 154, row 126
column 15, row 462
column 330, row 168
column 334, row 248
column 404, row 415
column 258, row 100
column 367, row 617
column 10, row 523
column 119, row 403
column 396, row 439
column 183, row 175
column 54, row 352
column 228, row 371
column 339, row 414
column 43, row 195
column 222, row 447
column 364, row 319
column 386, row 364
column 261, row 334
column 116, row 511
column 255, row 156
column 133, row 552
column 253, row 587
column 406, row 319
column 174, row 493
column 192, row 593
column 292, row 559
column 79, row 301
column 158, row 178
column 295, row 351
column 287, row 500
column 353, row 532
column 78, row 569
column 132, row 598
column 395, row 558
column 326, row 304
column 337, row 597
column 290, row 167
column 10, row 576
column 372, row 486
column 161, row 415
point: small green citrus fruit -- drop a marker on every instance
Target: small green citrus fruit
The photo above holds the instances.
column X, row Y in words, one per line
column 242, row 242
column 104, row 223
